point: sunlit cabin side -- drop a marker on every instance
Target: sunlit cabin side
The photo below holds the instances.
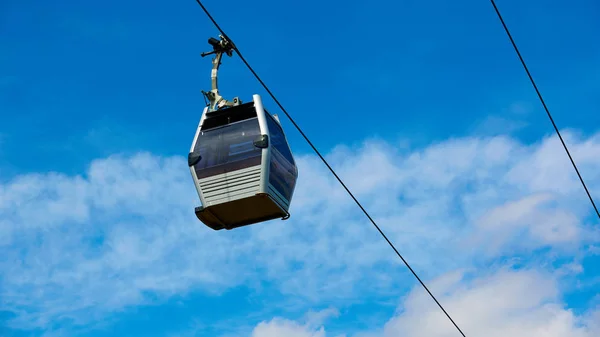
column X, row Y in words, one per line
column 242, row 166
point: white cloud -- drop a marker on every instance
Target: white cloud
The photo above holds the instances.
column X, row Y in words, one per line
column 529, row 223
column 317, row 318
column 281, row 327
column 312, row 326
column 78, row 247
column 497, row 125
column 504, row 303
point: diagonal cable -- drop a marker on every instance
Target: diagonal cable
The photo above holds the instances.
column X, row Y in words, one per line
column 329, row 167
column 545, row 107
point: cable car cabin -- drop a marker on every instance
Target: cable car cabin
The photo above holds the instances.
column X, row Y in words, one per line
column 242, row 167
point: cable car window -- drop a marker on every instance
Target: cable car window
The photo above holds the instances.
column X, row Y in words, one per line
column 238, row 140
column 282, row 166
column 208, row 148
column 228, row 148
column 278, row 139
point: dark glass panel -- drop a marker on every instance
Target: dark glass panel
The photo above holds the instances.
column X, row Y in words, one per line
column 283, row 171
column 228, row 148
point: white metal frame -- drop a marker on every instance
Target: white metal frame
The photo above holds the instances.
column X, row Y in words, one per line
column 264, row 186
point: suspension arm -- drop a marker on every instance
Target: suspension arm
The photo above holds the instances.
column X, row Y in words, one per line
column 216, row 101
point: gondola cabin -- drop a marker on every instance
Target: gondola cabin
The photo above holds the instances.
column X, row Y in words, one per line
column 242, row 167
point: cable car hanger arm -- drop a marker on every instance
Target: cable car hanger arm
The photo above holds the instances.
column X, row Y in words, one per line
column 216, row 101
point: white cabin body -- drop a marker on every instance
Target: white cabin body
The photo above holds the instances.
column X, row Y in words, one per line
column 242, row 166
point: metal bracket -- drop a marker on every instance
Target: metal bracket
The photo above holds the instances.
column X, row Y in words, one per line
column 216, row 101
column 262, row 142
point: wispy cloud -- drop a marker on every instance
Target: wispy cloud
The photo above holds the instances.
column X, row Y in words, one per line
column 500, row 303
column 76, row 248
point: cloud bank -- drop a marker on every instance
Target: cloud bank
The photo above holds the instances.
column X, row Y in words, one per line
column 504, row 303
column 77, row 248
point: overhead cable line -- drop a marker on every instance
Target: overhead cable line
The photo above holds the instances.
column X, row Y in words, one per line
column 545, row 107
column 328, row 166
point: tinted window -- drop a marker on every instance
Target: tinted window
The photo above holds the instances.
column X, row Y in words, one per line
column 228, row 148
column 282, row 167
column 282, row 175
column 277, row 139
column 219, row 118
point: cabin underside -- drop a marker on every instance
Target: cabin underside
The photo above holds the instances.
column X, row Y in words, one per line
column 241, row 212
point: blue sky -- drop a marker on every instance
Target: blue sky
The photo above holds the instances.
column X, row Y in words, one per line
column 423, row 108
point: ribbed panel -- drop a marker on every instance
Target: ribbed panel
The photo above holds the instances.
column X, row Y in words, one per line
column 230, row 186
